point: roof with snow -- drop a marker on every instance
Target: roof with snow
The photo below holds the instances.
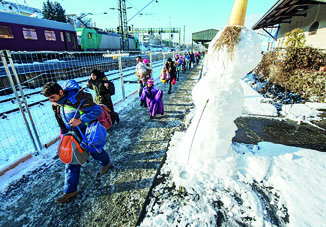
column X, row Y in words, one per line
column 25, row 20
column 283, row 11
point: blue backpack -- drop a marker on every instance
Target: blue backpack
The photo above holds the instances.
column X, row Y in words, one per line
column 95, row 136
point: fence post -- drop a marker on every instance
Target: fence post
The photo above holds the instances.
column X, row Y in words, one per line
column 163, row 58
column 150, row 58
column 24, row 99
column 121, row 78
column 17, row 98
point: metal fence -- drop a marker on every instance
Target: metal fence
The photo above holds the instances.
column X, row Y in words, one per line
column 27, row 122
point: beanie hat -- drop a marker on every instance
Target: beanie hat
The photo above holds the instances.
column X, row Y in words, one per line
column 150, row 81
column 97, row 72
column 170, row 59
column 145, row 61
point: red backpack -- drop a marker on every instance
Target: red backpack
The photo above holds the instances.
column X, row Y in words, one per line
column 105, row 117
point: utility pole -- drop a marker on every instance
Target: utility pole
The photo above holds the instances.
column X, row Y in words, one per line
column 184, row 36
column 124, row 39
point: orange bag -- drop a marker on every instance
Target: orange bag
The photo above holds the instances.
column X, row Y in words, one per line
column 69, row 150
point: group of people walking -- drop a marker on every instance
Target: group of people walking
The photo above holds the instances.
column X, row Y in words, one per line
column 75, row 109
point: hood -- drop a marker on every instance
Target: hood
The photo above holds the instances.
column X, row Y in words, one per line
column 71, row 88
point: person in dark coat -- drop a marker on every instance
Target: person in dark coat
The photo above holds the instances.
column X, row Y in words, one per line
column 69, row 96
column 153, row 98
column 173, row 72
column 99, row 83
column 192, row 58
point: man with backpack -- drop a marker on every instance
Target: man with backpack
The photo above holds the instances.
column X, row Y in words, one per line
column 65, row 101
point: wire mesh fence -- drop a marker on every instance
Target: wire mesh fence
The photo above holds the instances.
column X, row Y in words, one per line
column 26, row 118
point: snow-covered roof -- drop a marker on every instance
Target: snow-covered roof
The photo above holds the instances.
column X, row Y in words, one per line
column 25, row 20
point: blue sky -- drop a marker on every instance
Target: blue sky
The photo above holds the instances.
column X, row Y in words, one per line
column 195, row 15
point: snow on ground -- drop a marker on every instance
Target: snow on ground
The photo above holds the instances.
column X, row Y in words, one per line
column 233, row 181
column 13, row 126
column 295, row 175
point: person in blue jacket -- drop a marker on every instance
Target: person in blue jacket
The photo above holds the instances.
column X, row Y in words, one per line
column 68, row 97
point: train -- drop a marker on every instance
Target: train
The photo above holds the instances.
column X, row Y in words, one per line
column 23, row 33
column 93, row 39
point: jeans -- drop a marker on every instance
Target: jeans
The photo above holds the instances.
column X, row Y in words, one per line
column 72, row 172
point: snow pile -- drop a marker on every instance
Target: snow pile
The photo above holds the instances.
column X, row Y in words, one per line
column 276, row 185
column 218, row 98
column 303, row 112
column 256, row 103
column 209, row 182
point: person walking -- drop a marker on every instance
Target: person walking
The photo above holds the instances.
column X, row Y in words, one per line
column 170, row 66
column 153, row 98
column 141, row 70
column 68, row 98
column 100, row 84
column 192, row 58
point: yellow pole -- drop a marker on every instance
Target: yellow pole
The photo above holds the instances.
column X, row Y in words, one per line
column 238, row 13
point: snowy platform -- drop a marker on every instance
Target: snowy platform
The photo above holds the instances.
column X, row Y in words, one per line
column 136, row 146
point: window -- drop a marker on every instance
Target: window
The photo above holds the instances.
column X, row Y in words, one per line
column 29, row 33
column 68, row 36
column 50, row 35
column 62, row 37
column 313, row 28
column 6, row 32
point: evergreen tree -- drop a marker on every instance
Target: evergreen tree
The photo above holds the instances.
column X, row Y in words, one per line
column 53, row 11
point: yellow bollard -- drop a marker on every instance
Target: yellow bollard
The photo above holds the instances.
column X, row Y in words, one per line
column 238, row 13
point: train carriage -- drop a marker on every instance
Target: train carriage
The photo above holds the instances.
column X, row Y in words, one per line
column 92, row 39
column 23, row 33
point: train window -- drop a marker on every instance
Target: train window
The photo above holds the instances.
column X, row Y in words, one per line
column 62, row 37
column 89, row 35
column 6, row 32
column 29, row 33
column 50, row 35
column 68, row 37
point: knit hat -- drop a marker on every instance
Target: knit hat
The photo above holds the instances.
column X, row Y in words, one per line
column 145, row 61
column 97, row 72
column 170, row 59
column 150, row 81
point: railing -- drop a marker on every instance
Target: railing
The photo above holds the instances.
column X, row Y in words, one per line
column 27, row 121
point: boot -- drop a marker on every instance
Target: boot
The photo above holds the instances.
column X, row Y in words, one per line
column 105, row 169
column 65, row 197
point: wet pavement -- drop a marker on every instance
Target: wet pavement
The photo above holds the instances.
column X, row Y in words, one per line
column 137, row 146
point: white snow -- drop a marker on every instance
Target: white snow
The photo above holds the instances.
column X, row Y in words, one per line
column 212, row 169
column 297, row 175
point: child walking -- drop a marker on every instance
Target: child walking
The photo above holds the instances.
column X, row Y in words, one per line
column 153, row 98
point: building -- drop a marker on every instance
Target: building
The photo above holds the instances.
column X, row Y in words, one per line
column 286, row 15
column 11, row 7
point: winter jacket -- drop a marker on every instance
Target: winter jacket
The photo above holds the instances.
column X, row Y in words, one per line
column 88, row 111
column 141, row 68
column 153, row 98
column 102, row 94
column 172, row 70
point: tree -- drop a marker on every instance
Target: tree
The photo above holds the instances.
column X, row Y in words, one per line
column 53, row 11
